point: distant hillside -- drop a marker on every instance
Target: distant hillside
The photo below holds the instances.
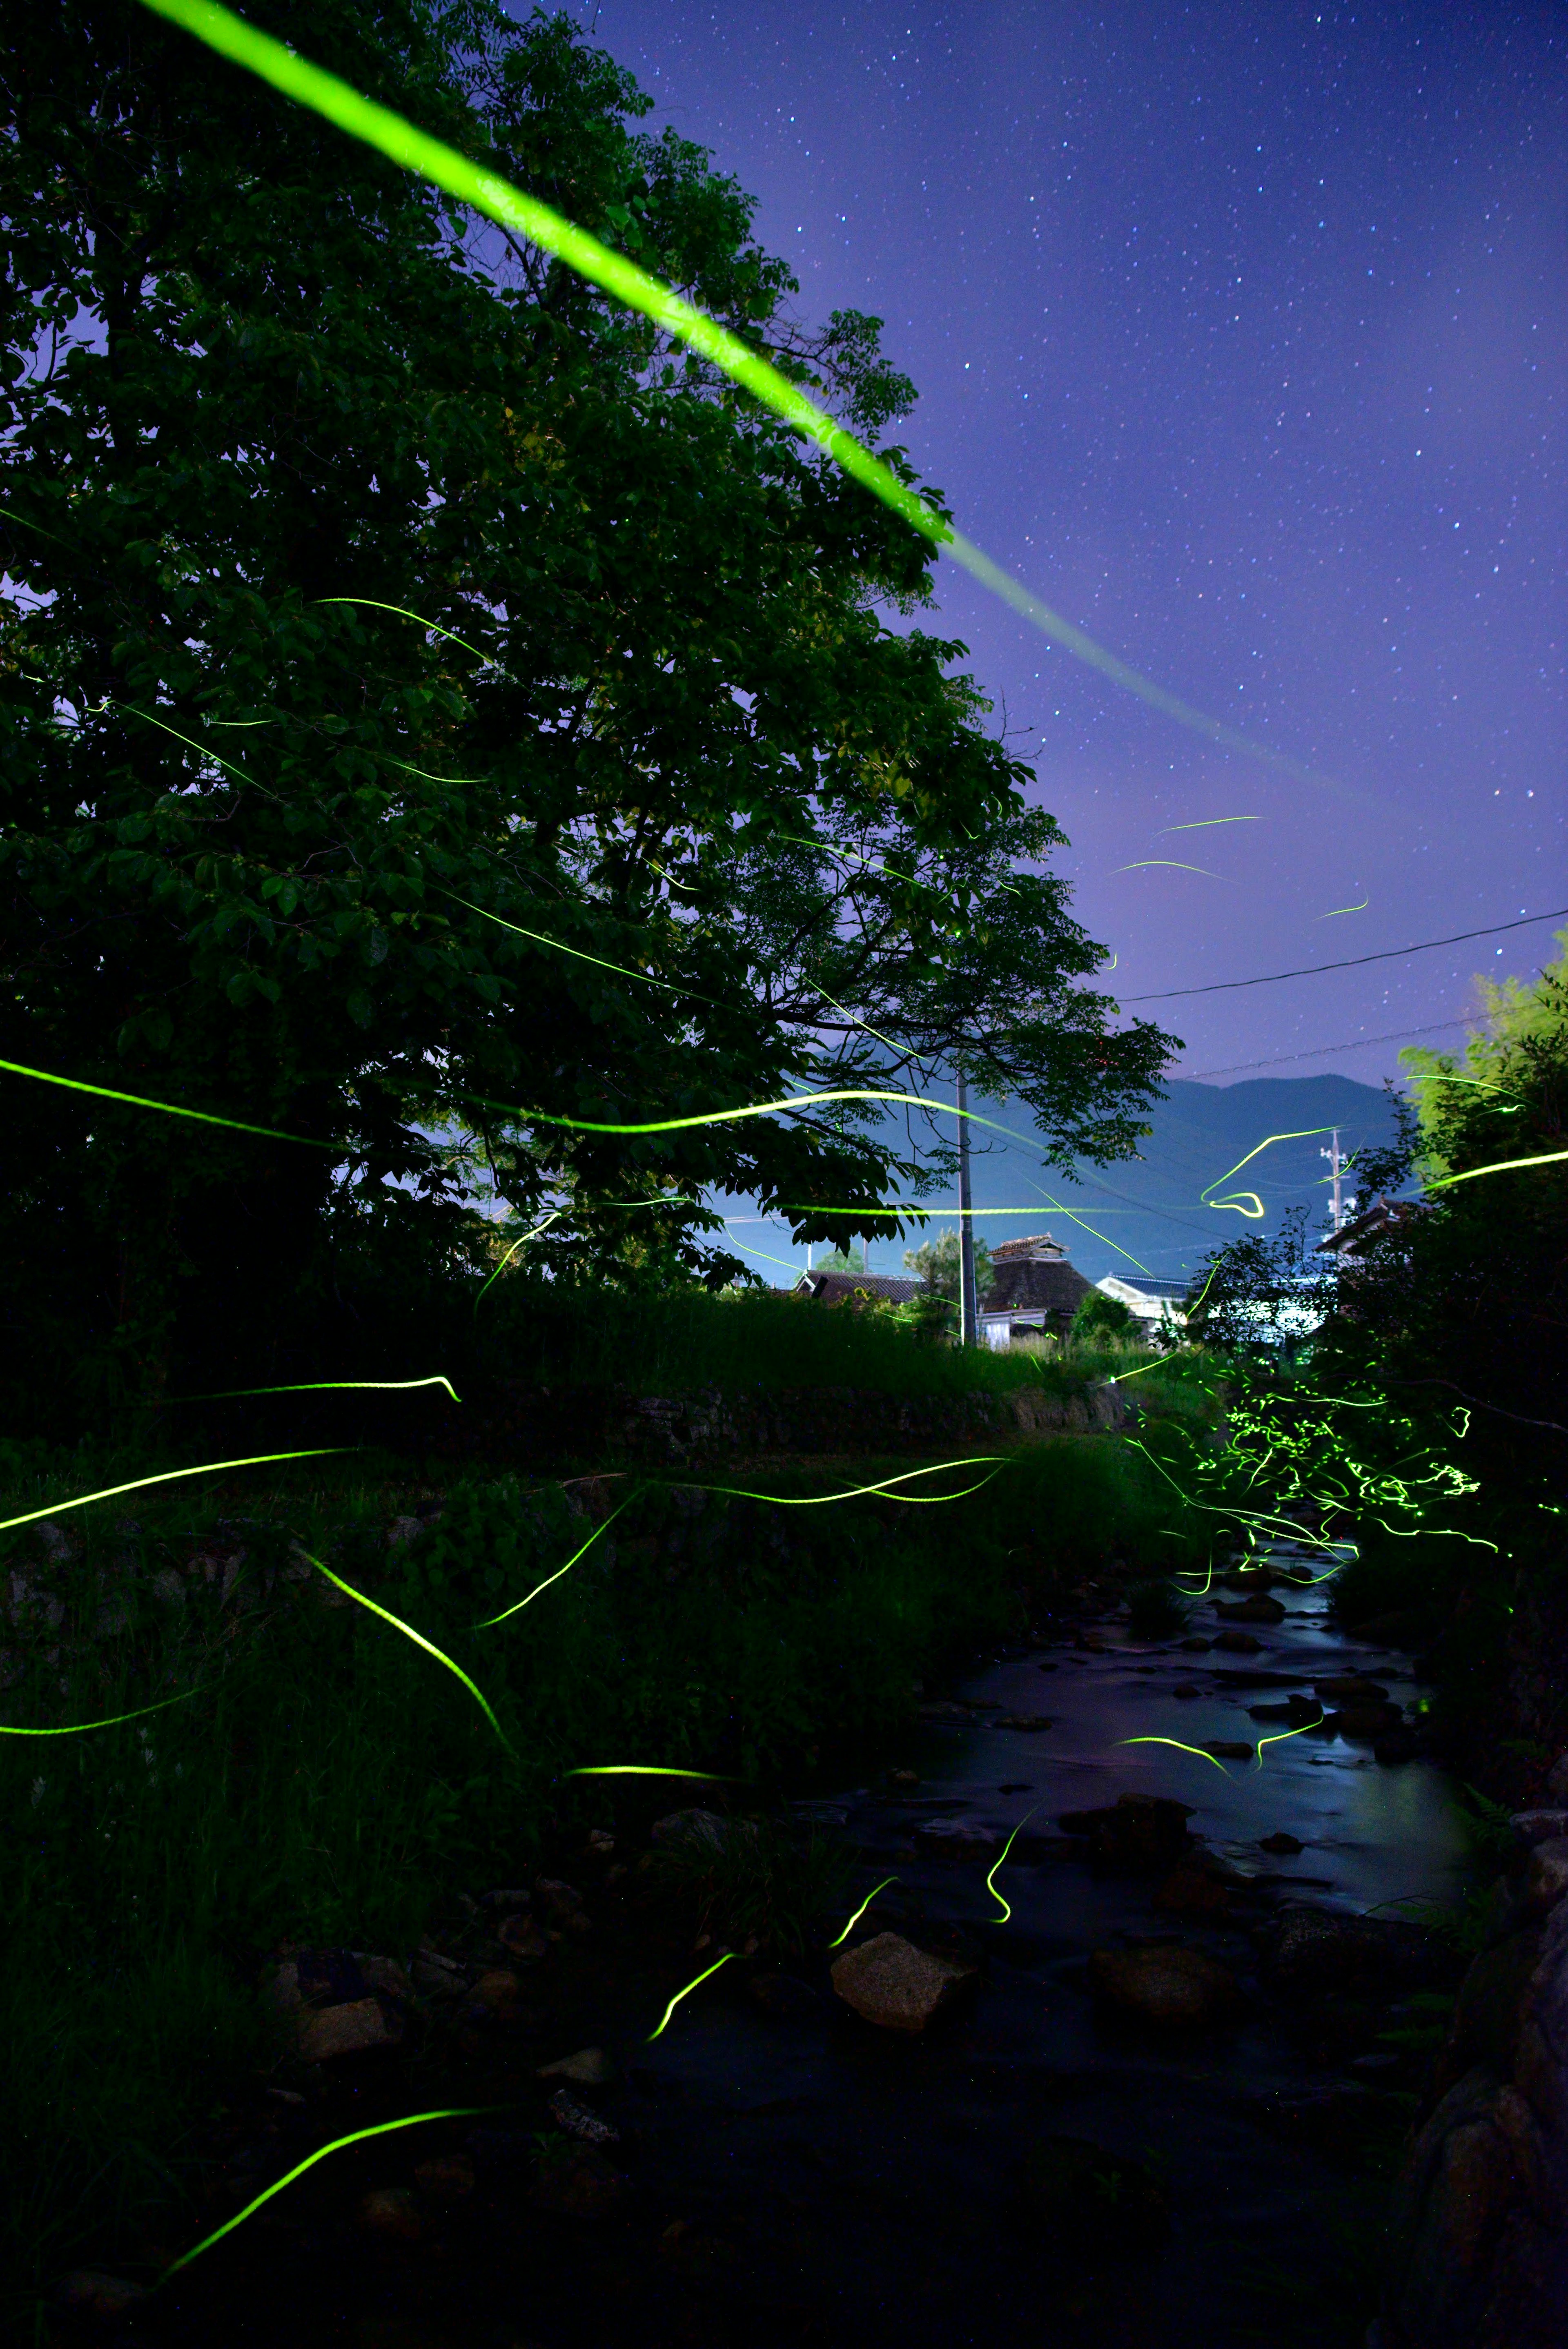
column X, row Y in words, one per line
column 1146, row 1208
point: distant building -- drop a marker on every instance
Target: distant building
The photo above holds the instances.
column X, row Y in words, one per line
column 1036, row 1292
column 1153, row 1301
column 1382, row 1216
column 846, row 1288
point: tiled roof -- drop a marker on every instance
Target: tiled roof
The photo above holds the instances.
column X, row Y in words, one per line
column 839, row 1288
column 1032, row 1286
column 1015, row 1251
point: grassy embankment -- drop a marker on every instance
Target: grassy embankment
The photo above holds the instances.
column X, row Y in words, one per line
column 328, row 1780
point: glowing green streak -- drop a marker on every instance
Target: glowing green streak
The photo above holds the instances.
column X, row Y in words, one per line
column 509, row 1611
column 1176, row 1742
column 420, row 1641
column 860, row 1911
column 318, row 1386
column 1431, row 1533
column 1058, row 1209
column 74, row 1728
column 1503, row 1167
column 996, row 1462
column 488, row 193
column 688, row 1992
column 647, row 1770
column 1281, row 1735
column 670, row 986
column 1145, row 864
column 1329, row 916
column 169, row 1109
column 403, row 614
column 991, row 1879
column 452, row 2113
column 200, row 748
column 1255, row 1214
column 1120, row 1378
column 172, row 1476
column 755, row 1109
column 553, row 1217
column 1205, row 822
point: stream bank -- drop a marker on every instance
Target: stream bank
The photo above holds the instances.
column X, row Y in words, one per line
column 1048, row 2157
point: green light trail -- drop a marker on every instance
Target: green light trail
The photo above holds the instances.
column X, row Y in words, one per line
column 321, row 1386
column 1280, row 1735
column 553, row 1217
column 403, row 612
column 1334, row 911
column 991, row 1885
column 1473, row 1173
column 860, row 1911
column 649, row 1770
column 357, row 2137
column 76, row 1728
column 169, row 1109
column 997, row 1462
column 172, row 1476
column 1170, row 865
column 420, row 1641
column 431, row 160
column 687, row 1993
column 1256, row 1212
column 1206, row 823
column 1176, row 1742
column 507, row 1612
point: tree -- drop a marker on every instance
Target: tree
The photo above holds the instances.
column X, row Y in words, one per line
column 1099, row 1316
column 263, row 836
column 936, row 1263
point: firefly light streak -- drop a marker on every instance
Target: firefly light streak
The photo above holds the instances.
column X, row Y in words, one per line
column 1256, row 1212
column 507, row 1612
column 841, row 1938
column 991, row 1879
column 169, row 1109
column 1280, row 1735
column 1334, row 911
column 420, row 1641
column 1502, row 1167
column 674, row 2002
column 1170, row 865
column 381, row 2128
column 404, row 614
column 1176, row 1742
column 172, row 1476
column 996, row 1462
column 321, row 1386
column 553, row 1217
column 75, row 1728
column 1206, row 823
column 649, row 1770
column 523, row 215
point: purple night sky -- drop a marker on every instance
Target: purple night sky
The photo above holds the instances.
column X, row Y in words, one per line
column 1240, row 340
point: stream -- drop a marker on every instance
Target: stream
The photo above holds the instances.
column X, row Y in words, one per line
column 1038, row 2164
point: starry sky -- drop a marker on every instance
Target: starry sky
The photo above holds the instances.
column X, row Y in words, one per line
column 1239, row 335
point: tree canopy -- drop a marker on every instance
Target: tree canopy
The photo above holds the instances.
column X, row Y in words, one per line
column 434, row 706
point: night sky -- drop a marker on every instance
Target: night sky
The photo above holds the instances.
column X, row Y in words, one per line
column 1239, row 335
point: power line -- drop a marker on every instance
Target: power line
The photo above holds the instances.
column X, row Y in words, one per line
column 1351, row 1044
column 1311, row 970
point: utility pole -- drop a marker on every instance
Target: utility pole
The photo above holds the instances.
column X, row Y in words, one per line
column 1337, row 1167
column 968, row 1304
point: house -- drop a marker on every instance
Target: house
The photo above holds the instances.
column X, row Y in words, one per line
column 847, row 1287
column 1035, row 1291
column 1382, row 1216
column 1155, row 1302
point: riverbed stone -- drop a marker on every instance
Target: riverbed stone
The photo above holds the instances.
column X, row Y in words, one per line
column 1322, row 1949
column 591, row 2067
column 958, row 1838
column 1259, row 1608
column 896, row 1986
column 1175, row 1987
column 1135, row 1831
column 1549, row 1871
column 1540, row 1826
column 1238, row 1643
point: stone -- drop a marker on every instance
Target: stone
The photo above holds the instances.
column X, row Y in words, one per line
column 589, row 2128
column 1259, row 1608
column 391, row 2213
column 957, row 1838
column 1135, row 1831
column 583, row 2186
column 1174, row 1988
column 1548, row 1871
column 1088, row 2199
column 403, row 1530
column 1350, row 1688
column 323, row 2032
column 590, row 2068
column 524, row 1937
column 1238, row 1643
column 785, row 1998
column 87, row 2292
column 497, row 1992
column 1186, row 1690
column 1365, row 1721
column 1284, row 1845
column 890, row 1983
column 701, row 1827
column 559, row 1901
column 1192, row 1891
column 1540, row 1826
column 1196, row 1647
column 445, row 2178
column 1315, row 1950
column 507, row 1904
column 1557, row 1778
column 1228, row 1749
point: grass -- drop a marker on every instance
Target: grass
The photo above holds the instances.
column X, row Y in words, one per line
column 331, row 1782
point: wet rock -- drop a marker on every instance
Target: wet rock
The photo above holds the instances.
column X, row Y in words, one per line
column 523, row 1937
column 590, row 2128
column 957, row 1838
column 1540, row 1827
column 1557, row 1778
column 1350, row 1688
column 391, row 2213
column 893, row 1984
column 1548, row 1879
column 445, row 2178
column 1228, row 1749
column 1087, row 2199
column 1238, row 1643
column 1366, row 1721
column 87, row 2292
column 508, row 1903
column 1281, row 1845
column 1173, row 1988
column 583, row 2186
column 941, row 1709
column 705, row 1828
column 784, row 1998
column 1259, row 1608
column 322, row 2033
column 1319, row 1949
column 1135, row 1831
column 590, row 2068
column 437, row 1975
column 1193, row 1890
column 560, row 1902
column 1187, row 1690
column 1400, row 1744
column 498, row 1993
column 1196, row 1647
